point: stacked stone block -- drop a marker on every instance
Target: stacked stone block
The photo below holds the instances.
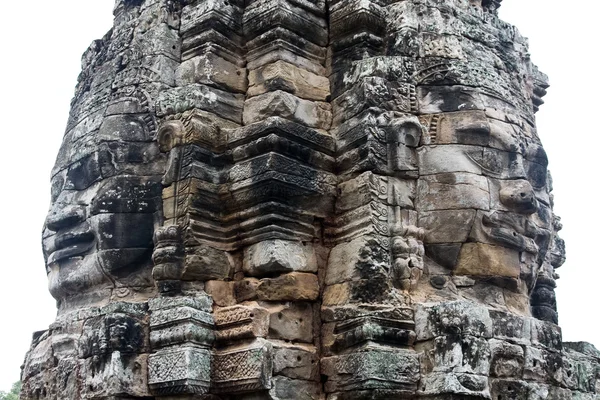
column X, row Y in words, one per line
column 290, row 199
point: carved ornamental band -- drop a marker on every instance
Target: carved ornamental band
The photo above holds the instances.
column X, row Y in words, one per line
column 305, row 199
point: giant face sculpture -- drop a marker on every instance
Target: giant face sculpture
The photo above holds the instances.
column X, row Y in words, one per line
column 106, row 192
column 483, row 199
column 348, row 199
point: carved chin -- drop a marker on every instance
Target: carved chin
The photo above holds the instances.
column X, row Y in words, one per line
column 76, row 276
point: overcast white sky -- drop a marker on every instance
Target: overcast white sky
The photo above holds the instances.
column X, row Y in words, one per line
column 41, row 60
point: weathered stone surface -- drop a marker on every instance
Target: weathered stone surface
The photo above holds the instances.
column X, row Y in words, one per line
column 360, row 258
column 295, row 286
column 276, row 256
column 246, row 289
column 288, row 77
column 285, row 105
column 241, row 322
column 292, row 322
column 171, row 370
column 296, row 361
column 286, row 199
column 222, row 292
column 242, row 369
column 452, row 317
column 204, row 263
column 371, row 370
column 211, row 69
column 507, row 359
column 286, row 388
column 478, row 259
column 453, row 191
column 448, row 226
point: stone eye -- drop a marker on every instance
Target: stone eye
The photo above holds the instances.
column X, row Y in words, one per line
column 537, row 174
column 58, row 183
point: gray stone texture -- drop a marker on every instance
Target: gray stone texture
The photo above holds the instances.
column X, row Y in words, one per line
column 312, row 200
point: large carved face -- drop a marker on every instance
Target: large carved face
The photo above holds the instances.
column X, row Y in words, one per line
column 106, row 192
column 483, row 198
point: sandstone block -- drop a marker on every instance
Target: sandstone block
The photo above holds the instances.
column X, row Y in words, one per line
column 517, row 390
column 356, row 192
column 222, row 292
column 272, row 256
column 468, row 127
column 546, row 335
column 210, row 69
column 207, row 263
column 282, row 75
column 512, row 328
column 542, row 366
column 101, row 378
column 438, row 99
column 295, row 361
column 456, row 354
column 444, row 255
column 285, row 388
column 292, row 322
column 180, row 99
column 285, row 105
column 448, row 226
column 239, row 370
column 241, row 322
column 337, row 294
column 478, row 259
column 374, row 369
column 507, row 360
column 360, row 258
column 246, row 289
column 181, row 370
column 460, row 385
column 379, row 289
column 432, row 320
column 295, row 286
column 449, row 158
column 451, row 191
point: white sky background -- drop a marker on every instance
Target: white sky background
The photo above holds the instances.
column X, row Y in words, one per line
column 41, row 49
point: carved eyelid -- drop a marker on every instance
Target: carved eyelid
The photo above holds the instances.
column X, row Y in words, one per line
column 537, row 155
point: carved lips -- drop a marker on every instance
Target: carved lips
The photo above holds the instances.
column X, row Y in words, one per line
column 70, row 244
column 511, row 230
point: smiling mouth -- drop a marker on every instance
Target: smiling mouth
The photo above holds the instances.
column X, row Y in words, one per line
column 69, row 245
column 514, row 231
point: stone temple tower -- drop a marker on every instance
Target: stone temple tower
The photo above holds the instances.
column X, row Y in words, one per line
column 305, row 199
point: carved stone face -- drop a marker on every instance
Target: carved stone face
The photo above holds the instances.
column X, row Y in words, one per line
column 97, row 237
column 483, row 198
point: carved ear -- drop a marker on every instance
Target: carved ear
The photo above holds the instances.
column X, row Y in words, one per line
column 407, row 131
column 170, row 134
column 412, row 132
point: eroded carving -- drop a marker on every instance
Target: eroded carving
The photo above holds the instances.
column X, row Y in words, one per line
column 286, row 199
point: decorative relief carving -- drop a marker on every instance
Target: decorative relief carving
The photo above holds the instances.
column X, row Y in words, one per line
column 291, row 199
column 242, row 370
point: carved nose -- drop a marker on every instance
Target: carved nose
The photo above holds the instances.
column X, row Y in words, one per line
column 62, row 217
column 518, row 195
